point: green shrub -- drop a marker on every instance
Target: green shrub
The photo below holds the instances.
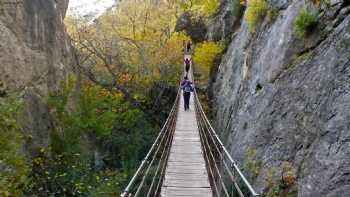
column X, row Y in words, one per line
column 256, row 10
column 205, row 55
column 13, row 165
column 252, row 165
column 305, row 22
column 120, row 131
column 272, row 14
column 319, row 2
column 211, row 7
column 236, row 9
column 234, row 5
column 201, row 8
column 69, row 174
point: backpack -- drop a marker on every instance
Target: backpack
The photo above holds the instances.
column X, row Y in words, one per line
column 188, row 87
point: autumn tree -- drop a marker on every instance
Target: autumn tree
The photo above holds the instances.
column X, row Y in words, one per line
column 130, row 47
column 204, row 8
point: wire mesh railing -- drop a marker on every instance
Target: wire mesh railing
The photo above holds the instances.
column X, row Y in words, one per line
column 225, row 176
column 148, row 178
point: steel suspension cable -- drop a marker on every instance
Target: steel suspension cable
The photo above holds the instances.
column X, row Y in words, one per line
column 155, row 146
column 161, row 164
column 224, row 187
column 203, row 120
column 229, row 172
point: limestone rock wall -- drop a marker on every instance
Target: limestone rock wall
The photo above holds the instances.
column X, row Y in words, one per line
column 288, row 97
column 35, row 56
column 34, row 47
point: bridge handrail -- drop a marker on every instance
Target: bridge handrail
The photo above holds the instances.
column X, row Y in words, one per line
column 222, row 146
column 207, row 132
column 160, row 137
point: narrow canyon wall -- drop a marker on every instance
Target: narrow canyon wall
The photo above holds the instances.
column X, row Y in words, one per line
column 35, row 56
column 288, row 97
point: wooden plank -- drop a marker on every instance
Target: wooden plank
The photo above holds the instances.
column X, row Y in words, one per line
column 181, row 191
column 186, row 159
column 186, row 173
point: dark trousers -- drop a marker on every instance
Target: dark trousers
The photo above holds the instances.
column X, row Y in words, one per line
column 187, row 96
column 187, row 68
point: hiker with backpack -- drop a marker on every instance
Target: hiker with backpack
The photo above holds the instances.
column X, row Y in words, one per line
column 187, row 88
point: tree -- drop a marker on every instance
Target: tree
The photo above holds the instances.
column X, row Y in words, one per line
column 205, row 55
column 205, row 8
column 130, row 47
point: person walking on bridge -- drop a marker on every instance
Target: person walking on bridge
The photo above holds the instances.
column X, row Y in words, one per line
column 188, row 47
column 187, row 65
column 187, row 88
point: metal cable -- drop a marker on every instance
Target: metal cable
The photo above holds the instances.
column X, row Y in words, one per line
column 220, row 165
column 166, row 147
column 150, row 164
column 205, row 150
column 217, row 169
column 201, row 115
column 161, row 135
column 228, row 169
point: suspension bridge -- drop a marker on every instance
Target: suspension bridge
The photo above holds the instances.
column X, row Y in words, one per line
column 188, row 159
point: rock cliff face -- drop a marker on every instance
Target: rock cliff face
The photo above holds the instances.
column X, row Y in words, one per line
column 34, row 44
column 35, row 56
column 226, row 22
column 289, row 97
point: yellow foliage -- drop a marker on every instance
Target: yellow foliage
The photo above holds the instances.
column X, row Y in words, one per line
column 319, row 2
column 289, row 177
column 316, row 2
column 200, row 7
column 206, row 53
column 243, row 2
column 257, row 9
column 135, row 38
column 172, row 51
column 211, row 7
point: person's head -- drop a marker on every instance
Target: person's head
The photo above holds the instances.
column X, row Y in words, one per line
column 185, row 78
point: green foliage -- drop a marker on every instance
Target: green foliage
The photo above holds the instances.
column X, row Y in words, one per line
column 133, row 47
column 118, row 129
column 210, row 7
column 95, row 114
column 69, row 174
column 252, row 165
column 320, row 2
column 102, row 114
column 206, row 53
column 131, row 136
column 102, row 119
column 305, row 21
column 13, row 165
column 256, row 10
column 110, row 184
column 200, row 7
column 272, row 14
column 236, row 7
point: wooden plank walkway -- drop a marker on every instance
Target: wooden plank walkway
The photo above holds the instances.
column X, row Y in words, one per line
column 186, row 173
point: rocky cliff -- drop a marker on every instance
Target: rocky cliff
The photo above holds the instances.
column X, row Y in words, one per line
column 287, row 97
column 35, row 56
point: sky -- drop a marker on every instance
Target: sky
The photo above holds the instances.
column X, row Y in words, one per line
column 91, row 8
